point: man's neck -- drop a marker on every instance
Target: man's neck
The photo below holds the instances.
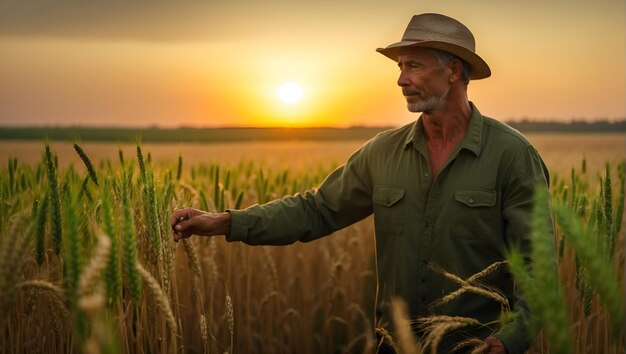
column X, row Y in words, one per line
column 447, row 126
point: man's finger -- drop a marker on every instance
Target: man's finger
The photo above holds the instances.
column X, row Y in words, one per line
column 175, row 218
column 179, row 217
column 181, row 235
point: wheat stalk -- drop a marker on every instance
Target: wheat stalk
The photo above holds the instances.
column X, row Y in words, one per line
column 73, row 255
column 436, row 327
column 384, row 338
column 40, row 235
column 483, row 273
column 608, row 214
column 58, row 297
column 42, row 285
column 112, row 274
column 471, row 285
column 55, row 201
column 193, row 257
column 204, row 330
column 130, row 245
column 540, row 283
column 271, row 265
column 231, row 321
column 406, row 338
column 179, row 168
column 90, row 170
column 159, row 296
column 477, row 346
column 601, row 276
column 152, row 214
column 142, row 165
column 98, row 262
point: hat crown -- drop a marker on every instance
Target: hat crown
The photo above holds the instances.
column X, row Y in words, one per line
column 440, row 28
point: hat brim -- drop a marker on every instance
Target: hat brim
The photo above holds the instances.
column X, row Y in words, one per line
column 479, row 68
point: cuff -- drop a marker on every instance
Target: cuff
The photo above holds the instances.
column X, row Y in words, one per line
column 238, row 226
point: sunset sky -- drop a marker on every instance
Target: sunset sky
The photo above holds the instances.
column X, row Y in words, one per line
column 221, row 63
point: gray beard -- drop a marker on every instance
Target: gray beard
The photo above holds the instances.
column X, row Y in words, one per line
column 428, row 104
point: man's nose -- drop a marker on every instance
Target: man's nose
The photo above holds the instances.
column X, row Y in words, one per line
column 403, row 79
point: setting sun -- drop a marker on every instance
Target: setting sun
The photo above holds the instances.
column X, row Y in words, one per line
column 290, row 92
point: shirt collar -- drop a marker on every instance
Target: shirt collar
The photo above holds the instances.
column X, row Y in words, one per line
column 472, row 140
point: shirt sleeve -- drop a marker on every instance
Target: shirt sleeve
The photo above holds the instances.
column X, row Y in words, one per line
column 527, row 171
column 343, row 198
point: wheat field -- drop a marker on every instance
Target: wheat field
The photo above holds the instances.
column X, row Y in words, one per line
column 87, row 261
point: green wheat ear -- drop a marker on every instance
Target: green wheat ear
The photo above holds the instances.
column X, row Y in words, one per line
column 87, row 162
column 540, row 282
column 620, row 200
column 600, row 276
column 239, row 200
column 152, row 213
column 120, row 154
column 608, row 213
column 130, row 243
column 142, row 164
column 112, row 274
column 12, row 171
column 179, row 169
column 552, row 308
column 55, row 201
column 40, row 230
column 84, row 190
column 73, row 250
column 216, row 188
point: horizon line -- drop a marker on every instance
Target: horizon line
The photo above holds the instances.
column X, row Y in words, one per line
column 572, row 121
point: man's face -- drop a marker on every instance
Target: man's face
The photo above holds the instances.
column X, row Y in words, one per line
column 423, row 80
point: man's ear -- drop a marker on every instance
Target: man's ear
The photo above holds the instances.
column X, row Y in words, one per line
column 456, row 69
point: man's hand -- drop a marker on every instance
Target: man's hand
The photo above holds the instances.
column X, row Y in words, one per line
column 494, row 346
column 187, row 222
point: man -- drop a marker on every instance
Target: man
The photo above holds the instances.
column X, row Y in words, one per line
column 453, row 189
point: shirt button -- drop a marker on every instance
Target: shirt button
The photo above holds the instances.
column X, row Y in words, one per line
column 426, row 174
column 471, row 200
column 424, row 261
column 424, row 281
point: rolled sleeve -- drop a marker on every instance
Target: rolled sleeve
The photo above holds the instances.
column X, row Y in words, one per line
column 343, row 198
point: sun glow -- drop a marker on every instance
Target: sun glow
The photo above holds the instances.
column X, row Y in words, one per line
column 290, row 92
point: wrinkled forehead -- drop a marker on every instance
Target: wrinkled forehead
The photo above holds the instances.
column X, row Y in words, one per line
column 417, row 53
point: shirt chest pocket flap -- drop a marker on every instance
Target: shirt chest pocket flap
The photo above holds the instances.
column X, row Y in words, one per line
column 476, row 198
column 388, row 214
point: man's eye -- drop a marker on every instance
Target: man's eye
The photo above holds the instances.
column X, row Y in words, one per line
column 408, row 66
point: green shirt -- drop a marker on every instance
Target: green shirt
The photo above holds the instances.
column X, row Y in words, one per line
column 476, row 209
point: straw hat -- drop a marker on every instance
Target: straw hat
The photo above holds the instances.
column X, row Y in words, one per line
column 444, row 33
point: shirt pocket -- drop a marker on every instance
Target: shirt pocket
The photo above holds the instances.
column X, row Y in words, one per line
column 474, row 214
column 388, row 210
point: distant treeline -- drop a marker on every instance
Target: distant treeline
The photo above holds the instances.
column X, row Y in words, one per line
column 600, row 126
column 212, row 135
column 124, row 135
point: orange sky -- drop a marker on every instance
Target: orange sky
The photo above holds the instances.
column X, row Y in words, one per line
column 220, row 63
